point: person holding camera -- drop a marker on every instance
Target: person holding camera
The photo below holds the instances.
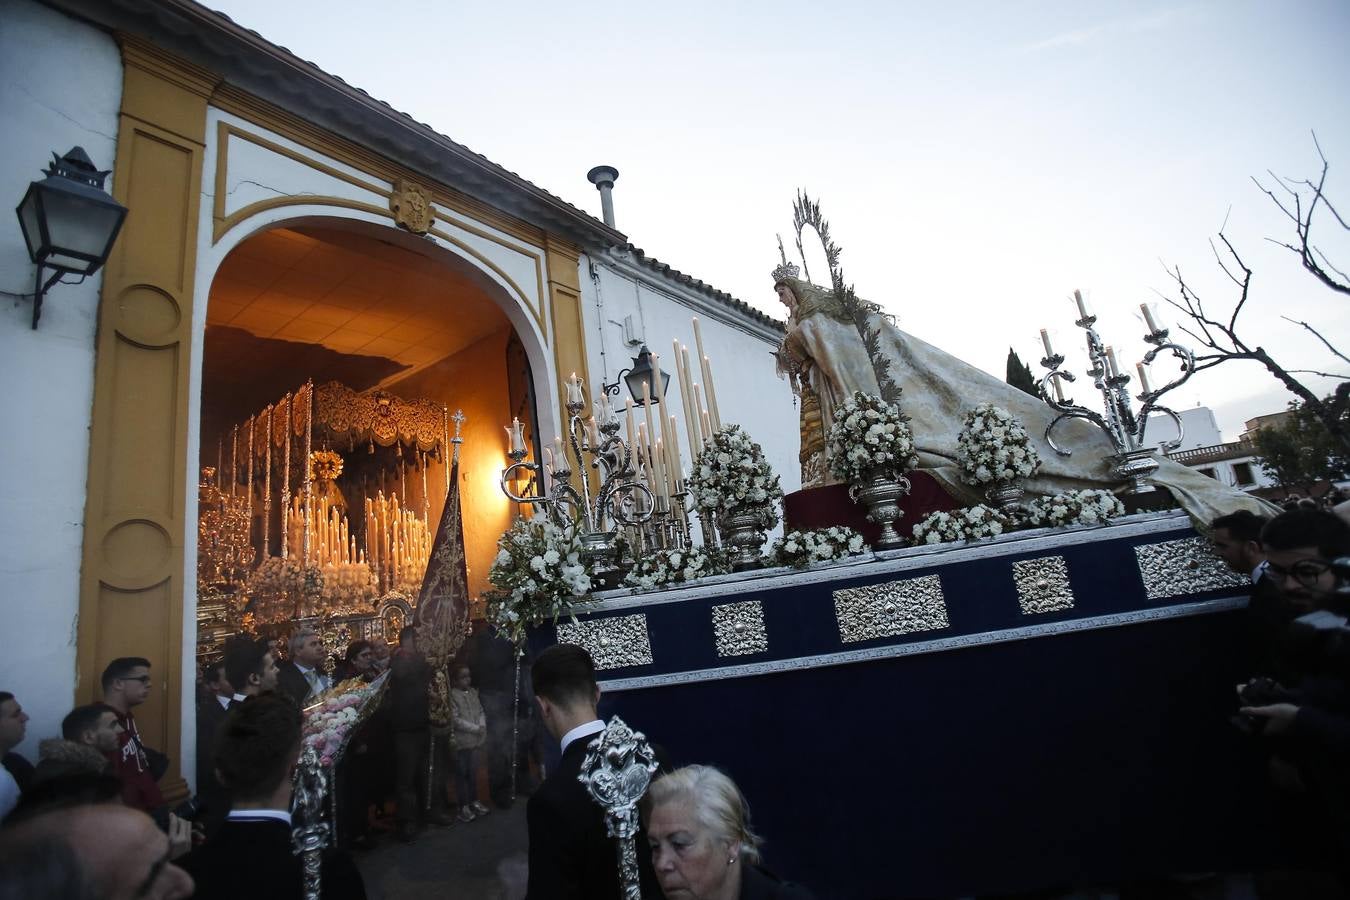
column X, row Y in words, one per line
column 1305, row 716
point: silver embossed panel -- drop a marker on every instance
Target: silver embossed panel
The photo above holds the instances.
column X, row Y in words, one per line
column 739, row 628
column 1042, row 585
column 612, row 643
column 890, row 609
column 1187, row 566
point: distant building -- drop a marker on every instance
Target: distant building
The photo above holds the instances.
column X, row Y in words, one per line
column 1235, row 463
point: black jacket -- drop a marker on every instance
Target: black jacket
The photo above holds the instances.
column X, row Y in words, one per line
column 760, row 884
column 405, row 704
column 253, row 859
column 571, row 858
column 291, row 682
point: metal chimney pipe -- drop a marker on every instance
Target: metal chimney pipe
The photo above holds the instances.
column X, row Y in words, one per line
column 603, row 177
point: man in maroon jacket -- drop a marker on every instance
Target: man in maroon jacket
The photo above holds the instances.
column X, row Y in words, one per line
column 126, row 684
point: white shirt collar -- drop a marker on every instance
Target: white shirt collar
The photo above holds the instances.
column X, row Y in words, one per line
column 239, row 698
column 1259, row 570
column 224, row 701
column 253, row 814
column 595, row 726
column 304, row 670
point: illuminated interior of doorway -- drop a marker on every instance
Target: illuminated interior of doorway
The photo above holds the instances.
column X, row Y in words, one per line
column 313, row 304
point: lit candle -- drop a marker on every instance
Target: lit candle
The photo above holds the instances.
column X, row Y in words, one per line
column 1144, row 386
column 558, row 452
column 1153, row 327
column 1045, row 341
column 1111, row 367
column 603, row 411
column 714, row 413
column 707, row 425
column 516, row 434
column 574, row 389
column 1083, row 312
column 592, row 432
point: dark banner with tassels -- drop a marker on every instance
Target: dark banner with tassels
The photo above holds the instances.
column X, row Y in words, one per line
column 442, row 615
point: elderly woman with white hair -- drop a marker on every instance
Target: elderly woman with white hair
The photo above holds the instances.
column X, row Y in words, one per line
column 698, row 826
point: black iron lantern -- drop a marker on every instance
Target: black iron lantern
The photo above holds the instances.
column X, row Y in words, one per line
column 69, row 222
column 640, row 374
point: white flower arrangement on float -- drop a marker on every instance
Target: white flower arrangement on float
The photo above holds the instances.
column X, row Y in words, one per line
column 732, row 477
column 869, row 437
column 665, row 567
column 994, row 447
column 285, row 588
column 1086, row 507
column 538, row 574
column 801, row 549
column 329, row 722
column 970, row 523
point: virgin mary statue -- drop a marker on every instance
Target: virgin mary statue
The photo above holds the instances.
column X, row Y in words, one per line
column 826, row 359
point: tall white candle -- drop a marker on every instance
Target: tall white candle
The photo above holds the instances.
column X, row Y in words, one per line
column 1045, row 342
column 1059, row 390
column 574, row 389
column 714, row 413
column 704, row 422
column 1144, row 386
column 1149, row 318
column 628, row 414
column 1083, row 311
column 647, row 411
column 691, row 409
column 684, row 398
column 676, row 463
column 666, row 434
column 1111, row 367
column 703, row 368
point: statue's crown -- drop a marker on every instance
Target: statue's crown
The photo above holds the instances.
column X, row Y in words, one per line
column 785, row 270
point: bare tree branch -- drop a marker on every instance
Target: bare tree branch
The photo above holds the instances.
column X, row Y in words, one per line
column 1317, row 334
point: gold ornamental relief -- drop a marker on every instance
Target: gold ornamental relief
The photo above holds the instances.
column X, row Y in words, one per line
column 411, row 206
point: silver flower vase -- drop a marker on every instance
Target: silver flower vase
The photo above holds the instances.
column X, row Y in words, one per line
column 743, row 537
column 1006, row 495
column 880, row 492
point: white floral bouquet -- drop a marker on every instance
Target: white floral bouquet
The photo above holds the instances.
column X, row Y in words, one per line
column 869, row 436
column 284, row 588
column 1088, row 507
column 329, row 722
column 970, row 523
column 731, row 476
column 801, row 549
column 993, row 446
column 663, row 567
column 538, row 574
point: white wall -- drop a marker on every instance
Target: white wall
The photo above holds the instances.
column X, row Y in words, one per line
column 1201, row 429
column 749, row 392
column 60, row 86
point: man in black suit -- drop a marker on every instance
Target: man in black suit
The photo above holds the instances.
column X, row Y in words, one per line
column 256, row 754
column 299, row 677
column 211, row 709
column 571, row 857
column 1237, row 541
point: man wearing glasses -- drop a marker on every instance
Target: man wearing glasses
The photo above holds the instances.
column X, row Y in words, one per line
column 126, row 684
column 1306, row 718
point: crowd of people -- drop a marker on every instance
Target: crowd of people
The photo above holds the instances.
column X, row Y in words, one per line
column 1295, row 702
column 90, row 819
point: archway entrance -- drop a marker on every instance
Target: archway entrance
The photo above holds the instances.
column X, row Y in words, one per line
column 333, row 360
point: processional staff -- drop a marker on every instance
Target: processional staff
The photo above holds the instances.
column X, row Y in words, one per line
column 616, row 772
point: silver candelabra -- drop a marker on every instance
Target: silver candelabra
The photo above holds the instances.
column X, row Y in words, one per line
column 1133, row 461
column 620, row 501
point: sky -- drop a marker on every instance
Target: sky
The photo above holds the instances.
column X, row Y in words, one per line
column 977, row 162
